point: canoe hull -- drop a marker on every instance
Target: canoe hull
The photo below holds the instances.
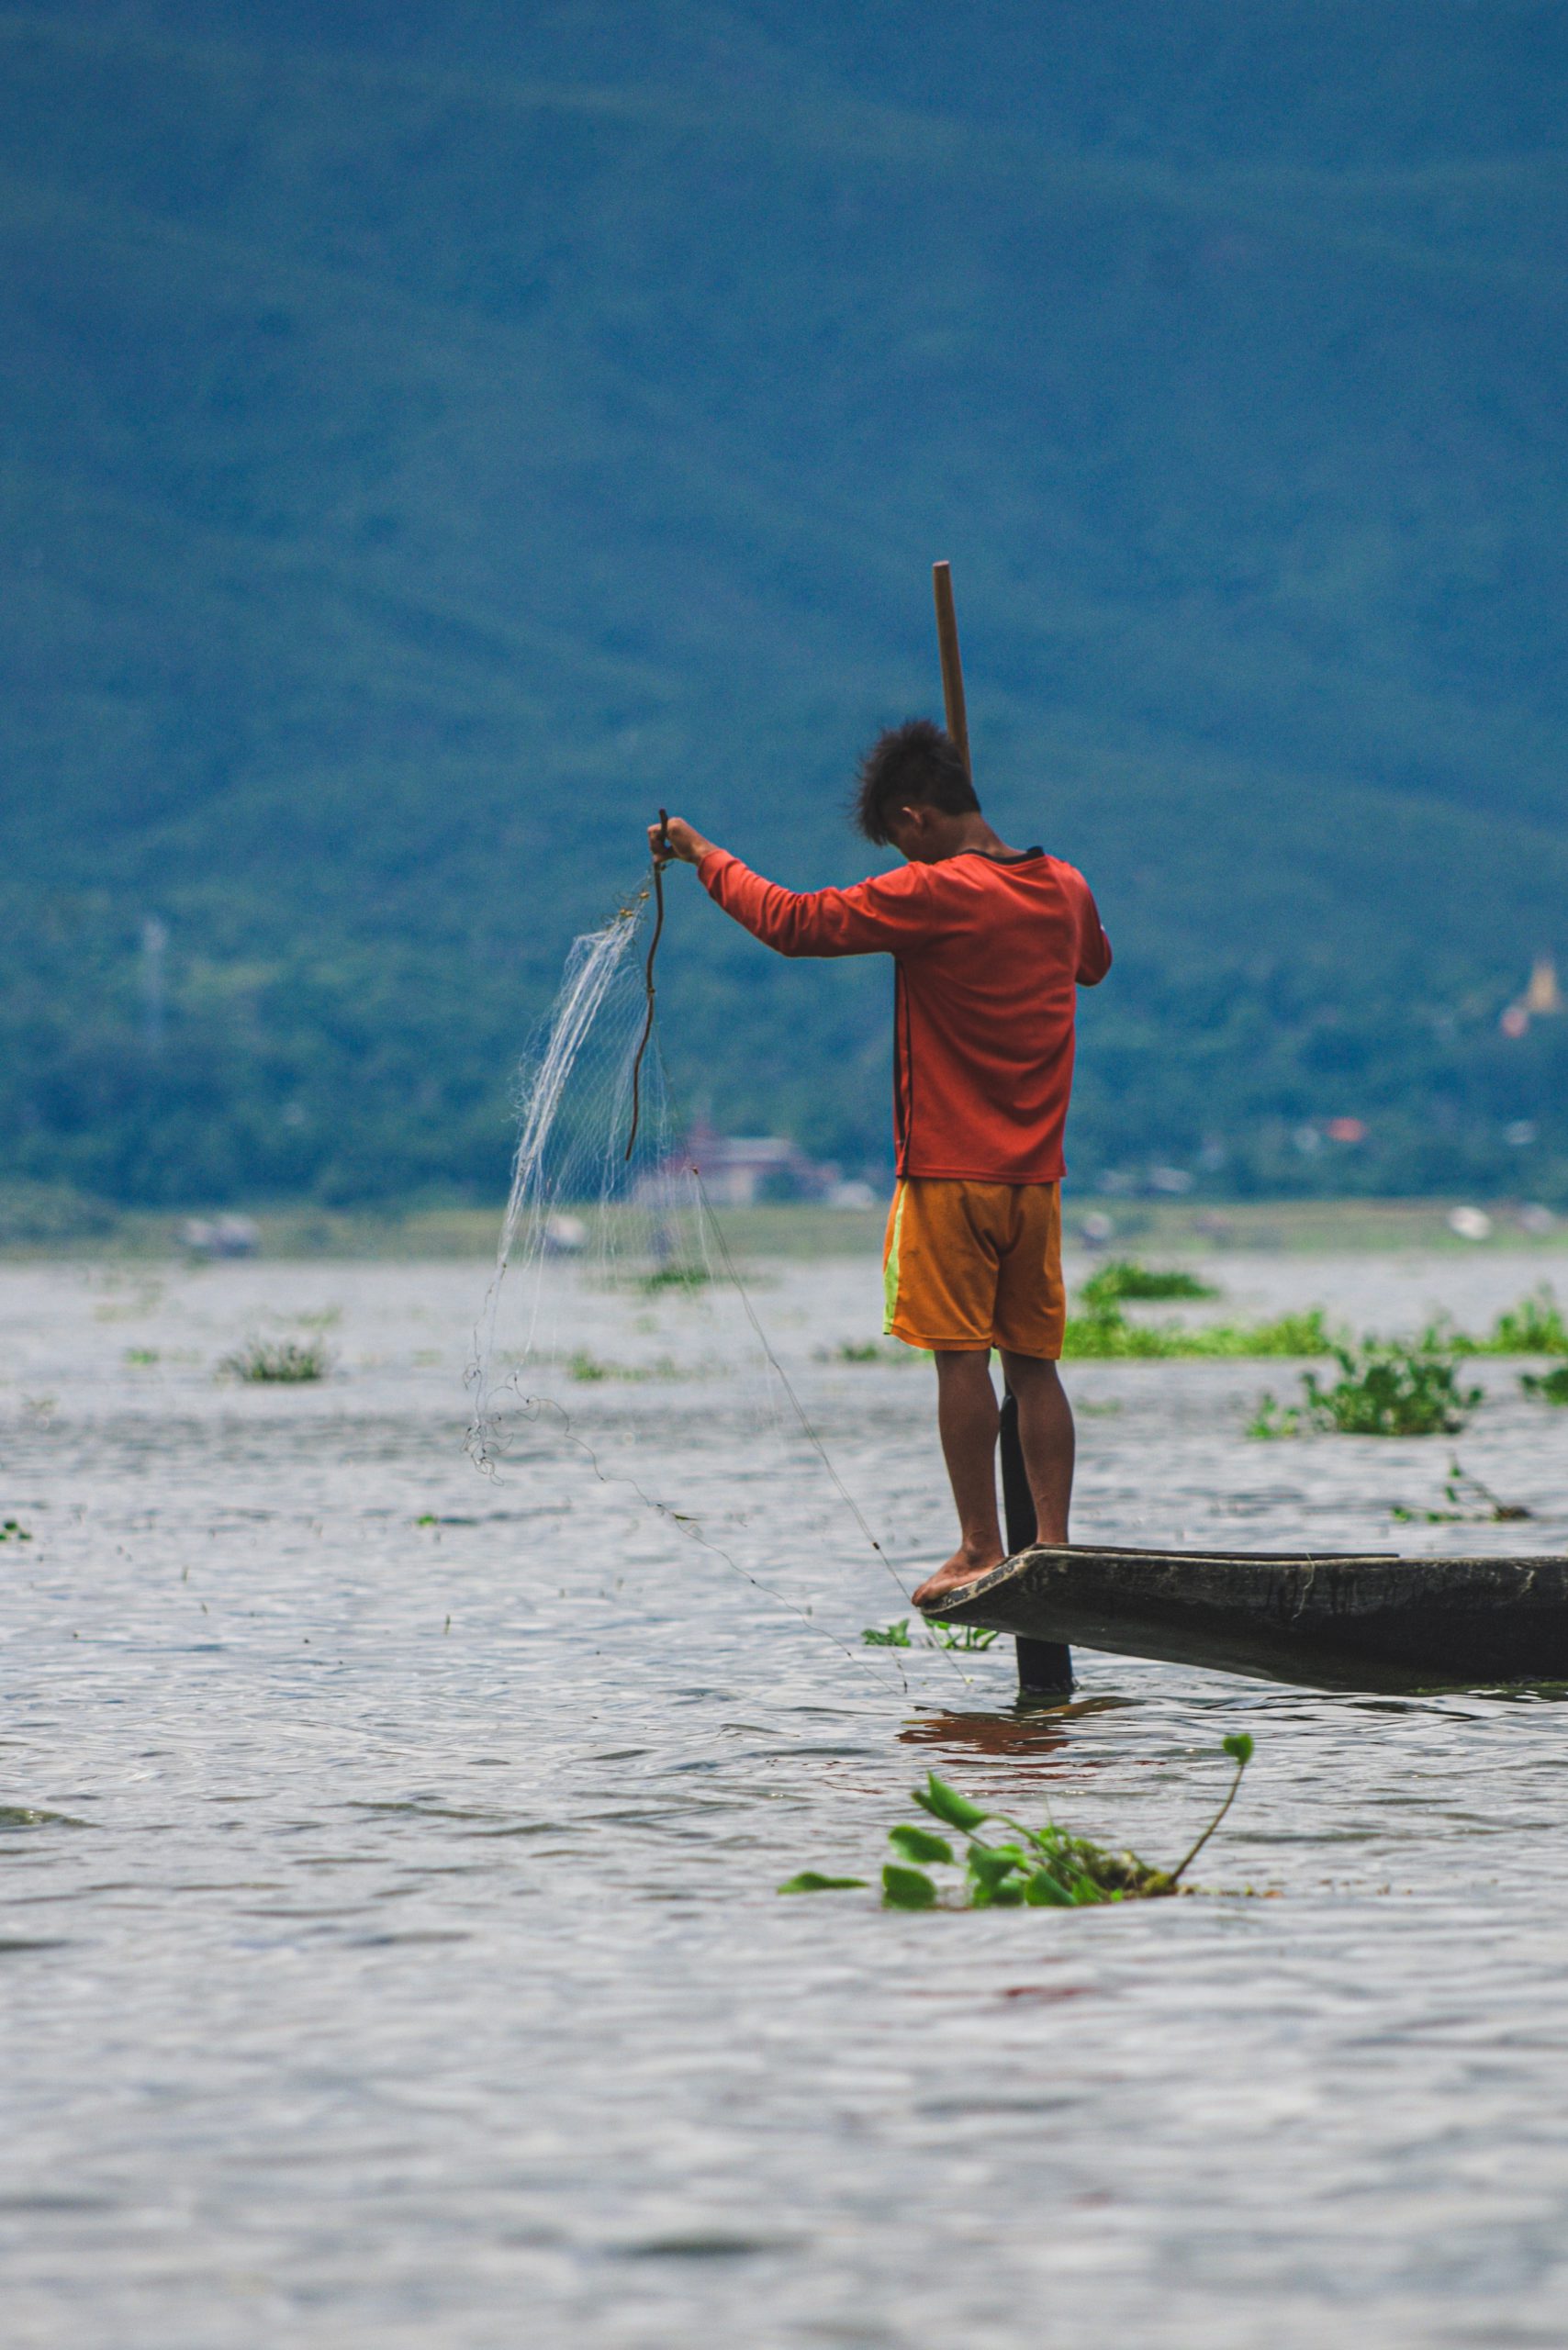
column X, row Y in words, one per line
column 1337, row 1622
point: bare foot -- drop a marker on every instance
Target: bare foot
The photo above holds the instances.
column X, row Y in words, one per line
column 961, row 1568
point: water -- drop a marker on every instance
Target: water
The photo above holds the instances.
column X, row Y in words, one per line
column 389, row 1933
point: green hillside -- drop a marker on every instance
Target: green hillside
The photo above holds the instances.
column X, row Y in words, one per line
column 424, row 454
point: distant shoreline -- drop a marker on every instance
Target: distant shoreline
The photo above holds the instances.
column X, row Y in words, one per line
column 1138, row 1227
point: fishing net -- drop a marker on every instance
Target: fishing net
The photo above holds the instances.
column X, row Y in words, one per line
column 620, row 1343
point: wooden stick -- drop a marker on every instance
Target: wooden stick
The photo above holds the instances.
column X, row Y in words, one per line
column 952, row 668
column 1045, row 1667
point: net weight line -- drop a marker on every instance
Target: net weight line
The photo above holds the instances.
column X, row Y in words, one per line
column 648, row 982
column 807, row 1427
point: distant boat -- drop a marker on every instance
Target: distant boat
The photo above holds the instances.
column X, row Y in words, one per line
column 1327, row 1620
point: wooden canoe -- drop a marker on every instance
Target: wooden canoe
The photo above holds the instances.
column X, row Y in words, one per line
column 1321, row 1620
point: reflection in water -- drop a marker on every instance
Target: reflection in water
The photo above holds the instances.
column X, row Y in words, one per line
column 1024, row 1728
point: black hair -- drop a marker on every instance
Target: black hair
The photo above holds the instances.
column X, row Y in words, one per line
column 912, row 766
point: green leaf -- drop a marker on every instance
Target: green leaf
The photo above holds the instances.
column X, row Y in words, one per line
column 1041, row 1891
column 1238, row 1746
column 943, row 1802
column 990, row 1864
column 907, row 1889
column 919, row 1845
column 809, row 1881
column 998, row 1896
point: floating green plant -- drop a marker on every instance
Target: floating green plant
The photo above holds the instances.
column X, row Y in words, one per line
column 1034, row 1868
column 280, row 1361
column 12, row 1530
column 1385, row 1388
column 1533, row 1326
column 683, row 1279
column 1548, row 1387
column 972, row 1638
column 1470, row 1502
column 1106, row 1336
column 1122, row 1278
column 591, row 1370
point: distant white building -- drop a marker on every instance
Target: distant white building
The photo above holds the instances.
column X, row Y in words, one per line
column 739, row 1170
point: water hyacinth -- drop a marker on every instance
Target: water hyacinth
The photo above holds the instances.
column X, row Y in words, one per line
column 1034, row 1868
column 280, row 1361
column 1385, row 1388
column 1122, row 1278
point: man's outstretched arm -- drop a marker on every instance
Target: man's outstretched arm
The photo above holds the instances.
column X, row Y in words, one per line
column 879, row 916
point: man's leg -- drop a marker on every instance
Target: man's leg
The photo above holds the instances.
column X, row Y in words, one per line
column 1046, row 1433
column 967, row 1419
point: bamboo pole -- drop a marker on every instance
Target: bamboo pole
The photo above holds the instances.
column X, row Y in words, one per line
column 1045, row 1667
column 952, row 666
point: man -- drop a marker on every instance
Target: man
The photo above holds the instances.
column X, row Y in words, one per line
column 989, row 945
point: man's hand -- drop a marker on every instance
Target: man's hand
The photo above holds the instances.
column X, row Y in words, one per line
column 680, row 840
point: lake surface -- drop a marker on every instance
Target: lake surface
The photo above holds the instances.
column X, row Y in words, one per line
column 389, row 1932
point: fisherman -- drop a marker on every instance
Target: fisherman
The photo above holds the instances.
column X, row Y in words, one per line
column 989, row 945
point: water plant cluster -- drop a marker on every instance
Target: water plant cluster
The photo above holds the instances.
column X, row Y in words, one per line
column 1034, row 1868
column 686, row 1281
column 591, row 1370
column 1122, row 1278
column 12, row 1530
column 1534, row 1326
column 1469, row 1502
column 973, row 1638
column 1106, row 1336
column 1390, row 1387
column 1397, row 1396
column 278, row 1362
column 1385, row 1388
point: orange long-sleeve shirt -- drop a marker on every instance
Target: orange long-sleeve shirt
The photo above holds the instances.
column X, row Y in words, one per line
column 988, row 955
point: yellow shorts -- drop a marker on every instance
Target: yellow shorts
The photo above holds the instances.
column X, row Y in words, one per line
column 971, row 1265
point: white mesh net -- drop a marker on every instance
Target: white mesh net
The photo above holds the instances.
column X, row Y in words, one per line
column 618, row 1338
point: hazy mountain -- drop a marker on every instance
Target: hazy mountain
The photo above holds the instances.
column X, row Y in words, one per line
column 433, row 438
